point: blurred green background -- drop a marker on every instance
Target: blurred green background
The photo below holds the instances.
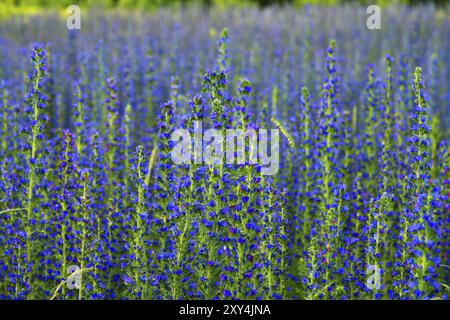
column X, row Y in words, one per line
column 158, row 3
column 30, row 7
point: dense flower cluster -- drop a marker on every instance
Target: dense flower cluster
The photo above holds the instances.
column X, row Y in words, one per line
column 360, row 208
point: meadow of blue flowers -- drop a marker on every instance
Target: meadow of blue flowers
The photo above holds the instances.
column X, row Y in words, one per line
column 358, row 210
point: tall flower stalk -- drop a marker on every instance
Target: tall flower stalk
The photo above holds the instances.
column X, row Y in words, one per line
column 36, row 103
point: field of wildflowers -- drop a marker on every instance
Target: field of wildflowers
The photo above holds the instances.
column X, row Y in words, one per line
column 93, row 207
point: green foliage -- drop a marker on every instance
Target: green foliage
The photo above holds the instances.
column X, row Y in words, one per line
column 150, row 4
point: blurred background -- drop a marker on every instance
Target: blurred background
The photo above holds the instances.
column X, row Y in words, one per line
column 30, row 7
column 17, row 4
